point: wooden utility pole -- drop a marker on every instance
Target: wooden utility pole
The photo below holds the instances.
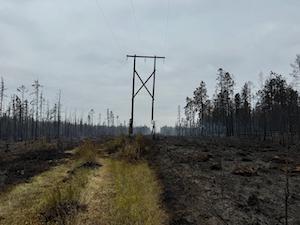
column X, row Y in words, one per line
column 135, row 73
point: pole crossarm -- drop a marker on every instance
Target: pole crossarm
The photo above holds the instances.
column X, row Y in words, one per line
column 144, row 84
column 146, row 56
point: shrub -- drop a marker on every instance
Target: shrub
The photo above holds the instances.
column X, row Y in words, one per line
column 38, row 145
column 86, row 152
column 115, row 144
column 130, row 152
column 134, row 149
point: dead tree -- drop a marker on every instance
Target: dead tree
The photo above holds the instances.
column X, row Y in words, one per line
column 36, row 92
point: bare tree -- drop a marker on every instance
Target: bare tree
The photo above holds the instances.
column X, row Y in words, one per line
column 200, row 101
column 36, row 92
column 296, row 70
column 2, row 95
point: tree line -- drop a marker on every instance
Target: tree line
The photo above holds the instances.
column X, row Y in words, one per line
column 273, row 111
column 27, row 115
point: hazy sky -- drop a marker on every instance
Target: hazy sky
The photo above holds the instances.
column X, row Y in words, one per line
column 79, row 46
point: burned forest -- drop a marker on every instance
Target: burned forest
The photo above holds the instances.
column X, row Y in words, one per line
column 270, row 113
column 126, row 112
column 27, row 116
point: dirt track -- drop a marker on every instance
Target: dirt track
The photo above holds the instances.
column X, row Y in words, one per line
column 213, row 182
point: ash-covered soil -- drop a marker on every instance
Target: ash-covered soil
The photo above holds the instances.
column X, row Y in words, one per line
column 215, row 182
column 19, row 162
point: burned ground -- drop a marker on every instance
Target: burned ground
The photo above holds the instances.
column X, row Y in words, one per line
column 207, row 182
column 212, row 182
column 20, row 162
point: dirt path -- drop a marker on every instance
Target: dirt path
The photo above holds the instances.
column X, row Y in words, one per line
column 215, row 183
column 96, row 197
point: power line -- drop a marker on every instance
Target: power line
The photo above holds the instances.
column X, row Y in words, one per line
column 135, row 21
column 118, row 45
column 167, row 24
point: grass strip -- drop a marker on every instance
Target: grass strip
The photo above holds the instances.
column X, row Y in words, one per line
column 136, row 195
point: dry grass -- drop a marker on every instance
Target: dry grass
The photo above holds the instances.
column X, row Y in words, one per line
column 123, row 192
column 45, row 200
column 97, row 195
column 86, row 152
column 48, row 198
column 114, row 145
column 61, row 204
column 129, row 149
column 22, row 203
column 120, row 193
column 136, row 195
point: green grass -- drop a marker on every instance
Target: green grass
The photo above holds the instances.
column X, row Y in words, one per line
column 136, row 195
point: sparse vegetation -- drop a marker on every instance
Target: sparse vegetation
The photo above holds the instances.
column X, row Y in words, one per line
column 53, row 197
column 60, row 204
column 59, row 196
column 86, row 152
column 130, row 149
column 23, row 203
column 136, row 195
column 137, row 192
column 115, row 144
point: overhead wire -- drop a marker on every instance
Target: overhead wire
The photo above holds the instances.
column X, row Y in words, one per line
column 167, row 25
column 135, row 21
column 114, row 37
column 138, row 30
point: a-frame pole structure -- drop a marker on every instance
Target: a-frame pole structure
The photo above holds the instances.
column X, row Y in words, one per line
column 153, row 76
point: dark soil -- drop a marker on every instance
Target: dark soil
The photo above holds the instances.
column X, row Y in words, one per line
column 90, row 165
column 86, row 165
column 215, row 182
column 61, row 213
column 19, row 164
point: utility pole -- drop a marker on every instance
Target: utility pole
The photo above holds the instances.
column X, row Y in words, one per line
column 134, row 94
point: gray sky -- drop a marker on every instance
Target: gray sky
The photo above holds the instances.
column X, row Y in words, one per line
column 79, row 46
